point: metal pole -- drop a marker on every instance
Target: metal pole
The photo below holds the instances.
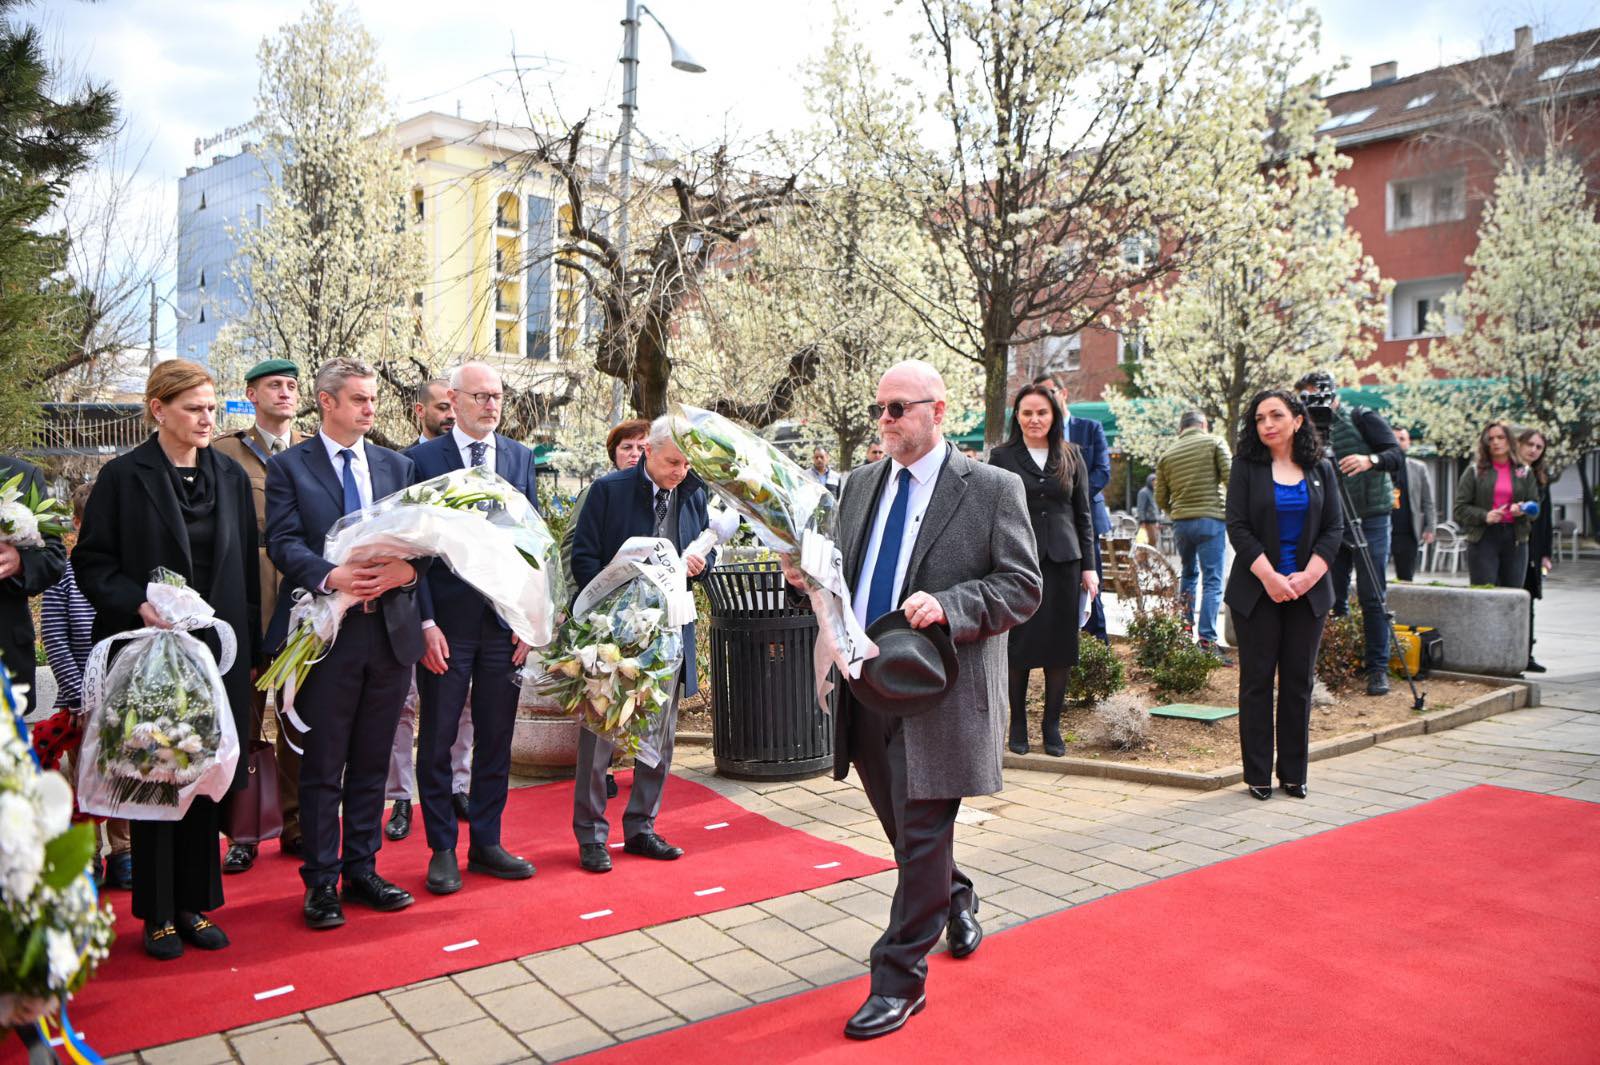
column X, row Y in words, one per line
column 152, row 357
column 630, row 91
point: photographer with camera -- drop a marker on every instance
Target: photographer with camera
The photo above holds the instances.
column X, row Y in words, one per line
column 1366, row 455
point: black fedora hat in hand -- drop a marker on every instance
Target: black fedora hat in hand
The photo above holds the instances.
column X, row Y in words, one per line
column 913, row 669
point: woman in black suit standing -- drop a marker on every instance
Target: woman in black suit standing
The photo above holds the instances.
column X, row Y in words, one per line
column 1285, row 522
column 174, row 502
column 1056, row 481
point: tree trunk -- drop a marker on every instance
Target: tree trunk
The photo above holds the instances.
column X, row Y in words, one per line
column 995, row 382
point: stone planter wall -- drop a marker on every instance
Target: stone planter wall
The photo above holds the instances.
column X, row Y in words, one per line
column 1485, row 630
column 542, row 745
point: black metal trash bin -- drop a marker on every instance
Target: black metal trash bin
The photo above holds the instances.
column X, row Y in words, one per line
column 766, row 724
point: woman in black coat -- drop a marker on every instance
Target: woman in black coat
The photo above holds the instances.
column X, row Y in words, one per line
column 1056, row 481
column 1285, row 523
column 174, row 502
column 1542, row 537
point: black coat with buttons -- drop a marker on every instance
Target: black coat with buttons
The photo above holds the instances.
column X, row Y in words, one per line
column 1063, row 521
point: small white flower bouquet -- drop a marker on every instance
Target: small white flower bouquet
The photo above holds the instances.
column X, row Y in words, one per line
column 158, row 727
column 53, row 931
column 26, row 520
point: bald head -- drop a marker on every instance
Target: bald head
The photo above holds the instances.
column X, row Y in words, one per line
column 914, row 389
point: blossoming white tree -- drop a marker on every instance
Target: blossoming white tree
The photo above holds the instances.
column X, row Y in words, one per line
column 1529, row 351
column 332, row 267
column 1279, row 286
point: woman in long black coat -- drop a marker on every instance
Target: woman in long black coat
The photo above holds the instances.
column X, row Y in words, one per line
column 173, row 502
column 1056, row 481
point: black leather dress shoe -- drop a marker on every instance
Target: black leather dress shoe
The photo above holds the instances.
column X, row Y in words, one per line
column 198, row 930
column 650, row 845
column 161, row 941
column 1260, row 793
column 611, row 781
column 1295, row 791
column 444, row 876
column 882, row 1014
column 594, row 857
column 370, row 889
column 399, row 826
column 322, row 909
column 458, row 803
column 1017, row 748
column 963, row 933
column 1378, row 682
column 497, row 861
column 240, row 857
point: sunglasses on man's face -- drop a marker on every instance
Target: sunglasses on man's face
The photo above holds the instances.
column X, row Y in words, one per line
column 896, row 410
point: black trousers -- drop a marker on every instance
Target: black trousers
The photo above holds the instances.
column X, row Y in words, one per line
column 1498, row 559
column 1277, row 641
column 352, row 703
column 176, row 864
column 481, row 660
column 1403, row 548
column 930, row 889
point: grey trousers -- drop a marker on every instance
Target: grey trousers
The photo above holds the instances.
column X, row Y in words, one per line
column 589, row 822
column 402, row 783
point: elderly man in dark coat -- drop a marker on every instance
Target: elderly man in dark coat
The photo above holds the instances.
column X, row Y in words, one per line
column 947, row 542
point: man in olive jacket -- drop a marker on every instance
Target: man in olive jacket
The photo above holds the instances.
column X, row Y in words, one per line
column 965, row 558
column 1190, row 477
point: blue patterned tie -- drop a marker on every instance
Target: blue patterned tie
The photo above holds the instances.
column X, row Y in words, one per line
column 477, row 448
column 352, row 494
column 880, row 594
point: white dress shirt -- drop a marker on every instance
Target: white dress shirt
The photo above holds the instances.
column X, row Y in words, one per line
column 924, row 473
column 464, row 445
column 358, row 464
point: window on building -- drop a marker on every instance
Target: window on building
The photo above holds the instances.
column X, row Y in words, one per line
column 1139, row 250
column 1349, row 118
column 1427, row 201
column 1416, row 309
column 202, row 277
column 1420, row 101
column 1063, row 353
column 202, row 206
column 1562, row 70
column 1132, row 346
column 499, row 340
column 418, row 204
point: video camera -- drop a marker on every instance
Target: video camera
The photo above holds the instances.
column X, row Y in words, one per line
column 1318, row 393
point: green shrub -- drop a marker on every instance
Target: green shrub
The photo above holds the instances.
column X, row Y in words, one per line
column 1098, row 674
column 1156, row 636
column 1184, row 671
column 1339, row 658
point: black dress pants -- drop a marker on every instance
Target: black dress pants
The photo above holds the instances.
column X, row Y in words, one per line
column 352, row 703
column 930, row 889
column 1403, row 548
column 1497, row 558
column 176, row 864
column 1277, row 641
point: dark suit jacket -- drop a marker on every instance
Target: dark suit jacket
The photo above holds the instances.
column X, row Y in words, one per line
column 304, row 498
column 443, row 597
column 41, row 567
column 620, row 505
column 132, row 526
column 1253, row 531
column 1091, row 440
column 1063, row 521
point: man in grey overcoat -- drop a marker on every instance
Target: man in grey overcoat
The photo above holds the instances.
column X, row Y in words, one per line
column 964, row 557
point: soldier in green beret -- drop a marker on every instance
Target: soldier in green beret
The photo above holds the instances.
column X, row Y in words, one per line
column 274, row 387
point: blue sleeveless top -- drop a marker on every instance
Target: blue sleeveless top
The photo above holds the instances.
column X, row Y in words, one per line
column 1293, row 500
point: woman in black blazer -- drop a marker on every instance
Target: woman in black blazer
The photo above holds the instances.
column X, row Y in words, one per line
column 1285, row 522
column 174, row 502
column 1056, row 481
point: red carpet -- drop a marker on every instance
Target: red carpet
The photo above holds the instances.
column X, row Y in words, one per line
column 733, row 857
column 1464, row 930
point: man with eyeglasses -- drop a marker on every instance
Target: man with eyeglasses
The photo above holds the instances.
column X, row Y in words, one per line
column 944, row 541
column 466, row 647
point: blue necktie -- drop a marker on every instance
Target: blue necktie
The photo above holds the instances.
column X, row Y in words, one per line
column 880, row 594
column 476, row 449
column 352, row 494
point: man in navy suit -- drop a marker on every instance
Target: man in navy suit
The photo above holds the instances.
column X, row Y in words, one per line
column 657, row 497
column 467, row 645
column 351, row 699
column 1091, row 440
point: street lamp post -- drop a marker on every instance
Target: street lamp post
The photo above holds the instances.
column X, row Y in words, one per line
column 681, row 60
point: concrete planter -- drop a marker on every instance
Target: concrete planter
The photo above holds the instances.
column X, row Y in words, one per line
column 1485, row 630
column 543, row 745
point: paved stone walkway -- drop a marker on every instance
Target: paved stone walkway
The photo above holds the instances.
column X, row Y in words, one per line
column 1047, row 842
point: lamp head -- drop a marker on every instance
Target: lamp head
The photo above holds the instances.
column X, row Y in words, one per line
column 681, row 59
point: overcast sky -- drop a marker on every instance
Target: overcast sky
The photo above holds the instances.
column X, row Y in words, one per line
column 186, row 68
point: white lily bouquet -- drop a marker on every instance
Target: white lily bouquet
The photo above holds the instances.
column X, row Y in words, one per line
column 53, row 930
column 792, row 514
column 615, row 661
column 158, row 727
column 485, row 530
column 26, row 520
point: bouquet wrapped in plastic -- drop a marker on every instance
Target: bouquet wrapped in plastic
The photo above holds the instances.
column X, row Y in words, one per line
column 615, row 661
column 158, row 728
column 53, row 930
column 485, row 530
column 792, row 514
